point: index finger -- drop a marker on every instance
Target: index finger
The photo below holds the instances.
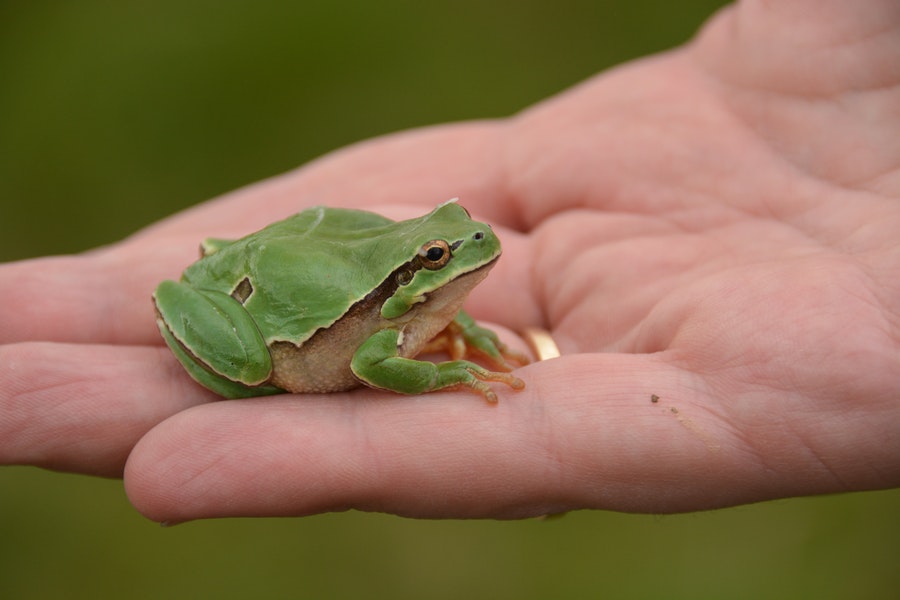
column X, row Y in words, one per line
column 97, row 297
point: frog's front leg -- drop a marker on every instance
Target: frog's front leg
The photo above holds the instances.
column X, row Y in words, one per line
column 463, row 337
column 378, row 364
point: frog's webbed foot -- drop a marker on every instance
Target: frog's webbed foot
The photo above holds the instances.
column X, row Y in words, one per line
column 463, row 337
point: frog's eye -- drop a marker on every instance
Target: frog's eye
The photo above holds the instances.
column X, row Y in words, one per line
column 434, row 254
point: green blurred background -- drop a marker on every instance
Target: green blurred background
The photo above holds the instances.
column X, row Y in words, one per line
column 115, row 114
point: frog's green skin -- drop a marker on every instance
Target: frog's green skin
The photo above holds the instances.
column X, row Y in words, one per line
column 330, row 299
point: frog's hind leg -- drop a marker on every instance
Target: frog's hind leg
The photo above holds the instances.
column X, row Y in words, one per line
column 215, row 339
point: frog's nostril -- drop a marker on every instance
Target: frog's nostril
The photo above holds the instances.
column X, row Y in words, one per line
column 479, row 235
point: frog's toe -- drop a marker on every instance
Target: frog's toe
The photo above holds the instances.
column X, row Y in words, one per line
column 480, row 376
column 512, row 358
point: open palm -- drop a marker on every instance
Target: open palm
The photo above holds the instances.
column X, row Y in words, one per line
column 710, row 235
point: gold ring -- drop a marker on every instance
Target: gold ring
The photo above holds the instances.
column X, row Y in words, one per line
column 541, row 343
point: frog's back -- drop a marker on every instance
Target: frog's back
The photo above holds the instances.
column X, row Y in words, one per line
column 326, row 223
column 302, row 273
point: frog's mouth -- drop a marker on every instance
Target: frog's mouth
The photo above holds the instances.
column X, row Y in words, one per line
column 480, row 269
column 462, row 284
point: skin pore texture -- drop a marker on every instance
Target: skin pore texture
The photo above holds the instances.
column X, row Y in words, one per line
column 710, row 235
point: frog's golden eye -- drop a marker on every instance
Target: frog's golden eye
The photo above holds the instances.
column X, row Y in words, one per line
column 434, row 254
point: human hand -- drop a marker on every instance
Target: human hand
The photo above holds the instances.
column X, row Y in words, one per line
column 714, row 227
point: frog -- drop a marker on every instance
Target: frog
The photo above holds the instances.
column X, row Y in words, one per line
column 331, row 299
